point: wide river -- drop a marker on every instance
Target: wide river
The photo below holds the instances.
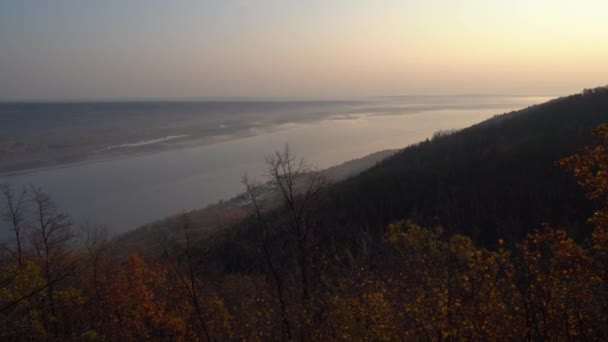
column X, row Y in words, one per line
column 128, row 191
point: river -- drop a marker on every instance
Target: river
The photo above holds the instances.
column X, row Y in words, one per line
column 126, row 191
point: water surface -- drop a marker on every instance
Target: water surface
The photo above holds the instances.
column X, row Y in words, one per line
column 127, row 191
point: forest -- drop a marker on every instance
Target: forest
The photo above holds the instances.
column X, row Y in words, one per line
column 497, row 231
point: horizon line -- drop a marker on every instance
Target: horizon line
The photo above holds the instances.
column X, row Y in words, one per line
column 259, row 98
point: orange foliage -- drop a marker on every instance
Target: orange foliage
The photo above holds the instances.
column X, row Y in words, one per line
column 424, row 284
column 558, row 284
column 135, row 302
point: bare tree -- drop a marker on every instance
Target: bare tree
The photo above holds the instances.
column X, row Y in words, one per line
column 294, row 188
column 13, row 214
column 95, row 241
column 51, row 238
column 298, row 185
column 189, row 281
column 254, row 192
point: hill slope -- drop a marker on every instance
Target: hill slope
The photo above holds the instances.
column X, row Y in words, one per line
column 496, row 179
column 151, row 238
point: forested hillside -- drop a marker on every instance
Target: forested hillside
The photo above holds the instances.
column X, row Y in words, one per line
column 496, row 179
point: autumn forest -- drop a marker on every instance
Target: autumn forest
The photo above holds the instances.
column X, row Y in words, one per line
column 314, row 260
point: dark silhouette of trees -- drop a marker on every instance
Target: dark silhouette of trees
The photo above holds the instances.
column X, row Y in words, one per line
column 190, row 283
column 13, row 214
column 297, row 189
column 254, row 192
column 51, row 240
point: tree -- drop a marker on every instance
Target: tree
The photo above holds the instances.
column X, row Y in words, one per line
column 590, row 166
column 252, row 304
column 96, row 265
column 254, row 192
column 558, row 284
column 365, row 310
column 299, row 188
column 296, row 190
column 190, row 284
column 20, row 285
column 443, row 286
column 135, row 304
column 14, row 215
column 51, row 239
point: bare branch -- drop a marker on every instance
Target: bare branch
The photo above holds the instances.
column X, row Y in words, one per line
column 51, row 238
column 13, row 214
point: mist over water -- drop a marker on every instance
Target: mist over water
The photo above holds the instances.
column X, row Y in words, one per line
column 126, row 191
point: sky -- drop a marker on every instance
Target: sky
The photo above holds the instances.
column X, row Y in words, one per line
column 128, row 49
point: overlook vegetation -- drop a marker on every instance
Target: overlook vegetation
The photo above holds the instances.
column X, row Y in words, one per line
column 497, row 231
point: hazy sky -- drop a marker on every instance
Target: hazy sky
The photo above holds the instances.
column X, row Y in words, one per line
column 80, row 49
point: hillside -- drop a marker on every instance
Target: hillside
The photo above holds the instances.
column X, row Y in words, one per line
column 496, row 179
column 151, row 238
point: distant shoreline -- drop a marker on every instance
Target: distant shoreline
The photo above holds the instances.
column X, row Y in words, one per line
column 37, row 136
column 258, row 99
column 105, row 155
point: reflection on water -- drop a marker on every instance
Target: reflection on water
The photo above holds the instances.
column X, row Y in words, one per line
column 126, row 192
